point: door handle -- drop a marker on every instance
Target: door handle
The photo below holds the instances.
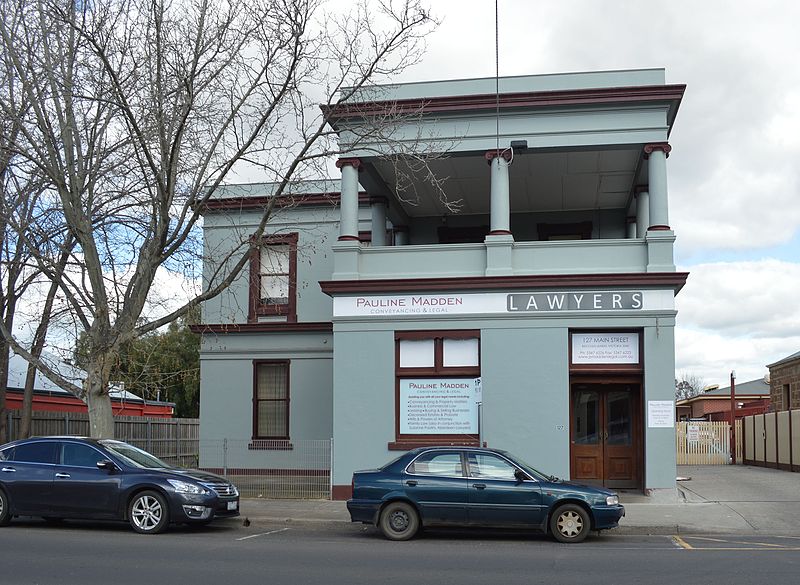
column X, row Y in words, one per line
column 479, row 486
column 411, row 482
column 9, row 470
column 62, row 476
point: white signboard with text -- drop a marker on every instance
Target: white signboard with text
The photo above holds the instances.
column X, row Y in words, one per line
column 439, row 406
column 660, row 414
column 605, row 348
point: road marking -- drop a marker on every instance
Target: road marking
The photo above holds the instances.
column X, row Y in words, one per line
column 263, row 534
column 768, row 544
column 682, row 543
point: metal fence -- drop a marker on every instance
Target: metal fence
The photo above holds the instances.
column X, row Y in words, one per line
column 773, row 440
column 174, row 440
column 271, row 469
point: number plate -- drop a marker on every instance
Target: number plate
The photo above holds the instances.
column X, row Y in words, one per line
column 232, row 505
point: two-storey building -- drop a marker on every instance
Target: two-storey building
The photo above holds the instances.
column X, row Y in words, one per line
column 497, row 268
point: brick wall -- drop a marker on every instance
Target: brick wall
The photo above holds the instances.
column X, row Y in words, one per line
column 780, row 376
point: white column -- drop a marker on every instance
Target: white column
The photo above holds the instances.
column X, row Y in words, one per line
column 348, row 206
column 401, row 235
column 378, row 209
column 500, row 221
column 642, row 213
column 656, row 155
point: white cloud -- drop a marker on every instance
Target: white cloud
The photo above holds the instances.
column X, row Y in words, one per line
column 737, row 315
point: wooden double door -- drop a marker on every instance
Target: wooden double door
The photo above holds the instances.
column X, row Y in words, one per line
column 606, row 434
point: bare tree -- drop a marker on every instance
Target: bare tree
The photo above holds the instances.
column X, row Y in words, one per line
column 688, row 384
column 142, row 109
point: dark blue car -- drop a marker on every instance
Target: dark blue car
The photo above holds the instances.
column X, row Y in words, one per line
column 455, row 486
column 71, row 477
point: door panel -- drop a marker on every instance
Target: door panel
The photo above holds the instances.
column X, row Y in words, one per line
column 605, row 423
column 437, row 484
column 497, row 497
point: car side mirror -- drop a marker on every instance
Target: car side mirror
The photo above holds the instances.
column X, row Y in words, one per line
column 520, row 475
column 107, row 465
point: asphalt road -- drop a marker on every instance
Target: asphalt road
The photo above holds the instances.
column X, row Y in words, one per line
column 227, row 553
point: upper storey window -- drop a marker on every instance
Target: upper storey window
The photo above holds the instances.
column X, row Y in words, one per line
column 273, row 278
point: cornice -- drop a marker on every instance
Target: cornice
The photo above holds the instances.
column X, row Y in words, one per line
column 271, row 327
column 675, row 280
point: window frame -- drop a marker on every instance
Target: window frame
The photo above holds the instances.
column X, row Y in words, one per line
column 256, row 307
column 408, row 441
column 256, row 400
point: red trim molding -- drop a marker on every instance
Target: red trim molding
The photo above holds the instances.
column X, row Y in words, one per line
column 659, row 228
column 675, row 280
column 341, row 492
column 649, row 93
column 651, row 148
column 493, row 154
column 348, row 239
column 349, row 162
column 408, row 445
column 270, row 327
column 247, row 203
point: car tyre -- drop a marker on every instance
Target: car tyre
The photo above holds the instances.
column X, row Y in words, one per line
column 570, row 523
column 148, row 512
column 5, row 509
column 399, row 521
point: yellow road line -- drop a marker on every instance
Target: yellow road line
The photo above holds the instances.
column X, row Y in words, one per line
column 682, row 543
column 768, row 544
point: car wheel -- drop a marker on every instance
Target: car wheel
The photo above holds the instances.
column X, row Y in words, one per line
column 570, row 523
column 399, row 521
column 5, row 509
column 148, row 513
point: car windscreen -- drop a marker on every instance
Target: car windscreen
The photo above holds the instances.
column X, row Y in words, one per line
column 134, row 456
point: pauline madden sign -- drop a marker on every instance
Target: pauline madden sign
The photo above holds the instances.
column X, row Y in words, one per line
column 500, row 303
column 439, row 406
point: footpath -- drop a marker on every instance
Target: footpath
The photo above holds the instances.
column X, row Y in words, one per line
column 725, row 499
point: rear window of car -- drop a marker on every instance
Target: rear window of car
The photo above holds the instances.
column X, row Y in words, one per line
column 38, row 452
column 435, row 463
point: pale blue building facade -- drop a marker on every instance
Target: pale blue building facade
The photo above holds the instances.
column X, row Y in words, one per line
column 494, row 269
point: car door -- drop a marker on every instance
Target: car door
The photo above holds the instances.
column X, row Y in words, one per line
column 435, row 481
column 497, row 497
column 80, row 489
column 28, row 477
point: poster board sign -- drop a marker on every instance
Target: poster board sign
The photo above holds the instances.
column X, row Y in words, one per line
column 439, row 406
column 660, row 414
column 605, row 348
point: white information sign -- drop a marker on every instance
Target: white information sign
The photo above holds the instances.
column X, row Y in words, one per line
column 439, row 406
column 605, row 348
column 660, row 414
column 693, row 433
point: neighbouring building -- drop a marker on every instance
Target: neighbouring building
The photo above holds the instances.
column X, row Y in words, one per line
column 524, row 298
column 784, row 378
column 751, row 397
column 48, row 397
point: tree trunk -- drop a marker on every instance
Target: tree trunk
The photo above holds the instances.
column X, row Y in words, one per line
column 101, row 416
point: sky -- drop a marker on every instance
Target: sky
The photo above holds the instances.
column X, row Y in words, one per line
column 734, row 171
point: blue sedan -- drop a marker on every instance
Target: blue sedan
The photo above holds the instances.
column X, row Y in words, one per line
column 461, row 486
column 72, row 477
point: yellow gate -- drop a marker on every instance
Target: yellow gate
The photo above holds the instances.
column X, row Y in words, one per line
column 703, row 443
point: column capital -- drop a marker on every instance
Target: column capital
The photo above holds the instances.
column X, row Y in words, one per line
column 631, row 219
column 378, row 199
column 639, row 189
column 653, row 146
column 493, row 154
column 349, row 162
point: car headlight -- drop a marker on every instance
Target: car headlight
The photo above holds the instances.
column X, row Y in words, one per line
column 612, row 500
column 184, row 487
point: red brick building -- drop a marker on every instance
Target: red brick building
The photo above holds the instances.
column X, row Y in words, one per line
column 751, row 397
column 785, row 383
